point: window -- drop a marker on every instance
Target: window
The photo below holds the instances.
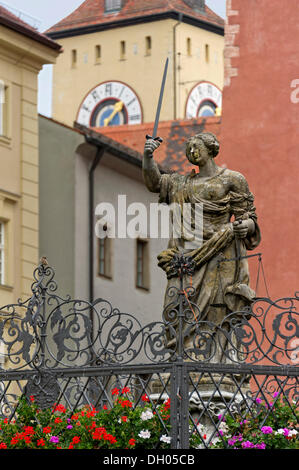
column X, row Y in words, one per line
column 104, row 266
column 2, row 253
column 189, row 48
column 112, row 5
column 148, row 45
column 98, row 53
column 142, row 265
column 122, row 50
column 74, row 57
column 3, row 109
column 207, row 53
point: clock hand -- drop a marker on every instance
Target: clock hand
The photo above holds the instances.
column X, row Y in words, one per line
column 117, row 108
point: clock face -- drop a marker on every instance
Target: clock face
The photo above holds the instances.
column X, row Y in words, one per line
column 203, row 100
column 110, row 104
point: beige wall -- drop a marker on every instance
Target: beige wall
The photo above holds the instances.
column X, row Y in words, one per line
column 21, row 59
column 194, row 68
column 140, row 71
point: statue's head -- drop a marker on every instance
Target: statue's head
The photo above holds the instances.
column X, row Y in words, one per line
column 201, row 147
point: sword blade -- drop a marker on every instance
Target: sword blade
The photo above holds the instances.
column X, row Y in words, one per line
column 160, row 100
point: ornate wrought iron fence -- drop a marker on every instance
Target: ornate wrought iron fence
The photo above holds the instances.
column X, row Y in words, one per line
column 72, row 351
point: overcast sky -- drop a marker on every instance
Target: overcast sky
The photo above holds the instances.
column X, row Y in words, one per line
column 49, row 12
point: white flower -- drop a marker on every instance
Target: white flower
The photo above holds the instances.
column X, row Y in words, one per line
column 223, row 427
column 165, row 438
column 145, row 434
column 145, row 415
column 201, row 428
column 286, row 432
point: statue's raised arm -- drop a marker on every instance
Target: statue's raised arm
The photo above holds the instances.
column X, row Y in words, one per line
column 150, row 170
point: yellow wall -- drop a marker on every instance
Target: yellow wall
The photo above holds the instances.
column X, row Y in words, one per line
column 195, row 68
column 21, row 59
column 140, row 71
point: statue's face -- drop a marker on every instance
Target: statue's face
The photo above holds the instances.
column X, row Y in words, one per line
column 196, row 152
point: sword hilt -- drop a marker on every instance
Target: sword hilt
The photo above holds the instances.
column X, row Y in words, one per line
column 159, row 139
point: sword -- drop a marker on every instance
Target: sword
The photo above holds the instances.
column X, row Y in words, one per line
column 154, row 136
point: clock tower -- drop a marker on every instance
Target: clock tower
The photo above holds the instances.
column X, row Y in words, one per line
column 114, row 55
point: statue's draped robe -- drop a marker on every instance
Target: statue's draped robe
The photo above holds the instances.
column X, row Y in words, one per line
column 223, row 287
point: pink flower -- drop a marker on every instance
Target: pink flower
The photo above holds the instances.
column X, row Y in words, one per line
column 262, row 445
column 231, row 442
column 266, row 429
column 221, row 417
column 247, row 445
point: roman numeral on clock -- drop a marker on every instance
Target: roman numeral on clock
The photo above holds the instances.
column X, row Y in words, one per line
column 130, row 102
column 108, row 89
column 135, row 117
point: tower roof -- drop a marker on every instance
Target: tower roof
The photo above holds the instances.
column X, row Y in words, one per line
column 91, row 15
column 11, row 21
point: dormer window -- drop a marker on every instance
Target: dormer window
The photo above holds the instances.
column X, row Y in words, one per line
column 112, row 5
column 197, row 5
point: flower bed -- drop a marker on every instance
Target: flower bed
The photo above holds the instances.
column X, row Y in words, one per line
column 126, row 426
column 121, row 427
column 265, row 426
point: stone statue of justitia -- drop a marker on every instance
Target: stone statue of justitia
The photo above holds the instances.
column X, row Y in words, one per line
column 229, row 227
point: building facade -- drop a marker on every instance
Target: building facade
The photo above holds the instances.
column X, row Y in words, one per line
column 23, row 52
column 114, row 54
column 123, row 271
column 259, row 130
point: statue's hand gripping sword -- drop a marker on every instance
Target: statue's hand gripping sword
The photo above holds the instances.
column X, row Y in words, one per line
column 154, row 136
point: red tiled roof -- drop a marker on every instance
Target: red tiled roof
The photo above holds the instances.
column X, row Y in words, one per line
column 171, row 153
column 11, row 21
column 91, row 12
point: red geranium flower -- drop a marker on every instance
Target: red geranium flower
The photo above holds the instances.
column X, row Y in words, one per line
column 126, row 403
column 60, row 408
column 29, row 430
column 41, row 442
column 145, row 398
column 115, row 391
column 125, row 390
column 76, row 440
column 3, row 445
column 132, row 442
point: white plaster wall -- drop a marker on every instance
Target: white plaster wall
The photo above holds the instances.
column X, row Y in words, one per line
column 115, row 177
